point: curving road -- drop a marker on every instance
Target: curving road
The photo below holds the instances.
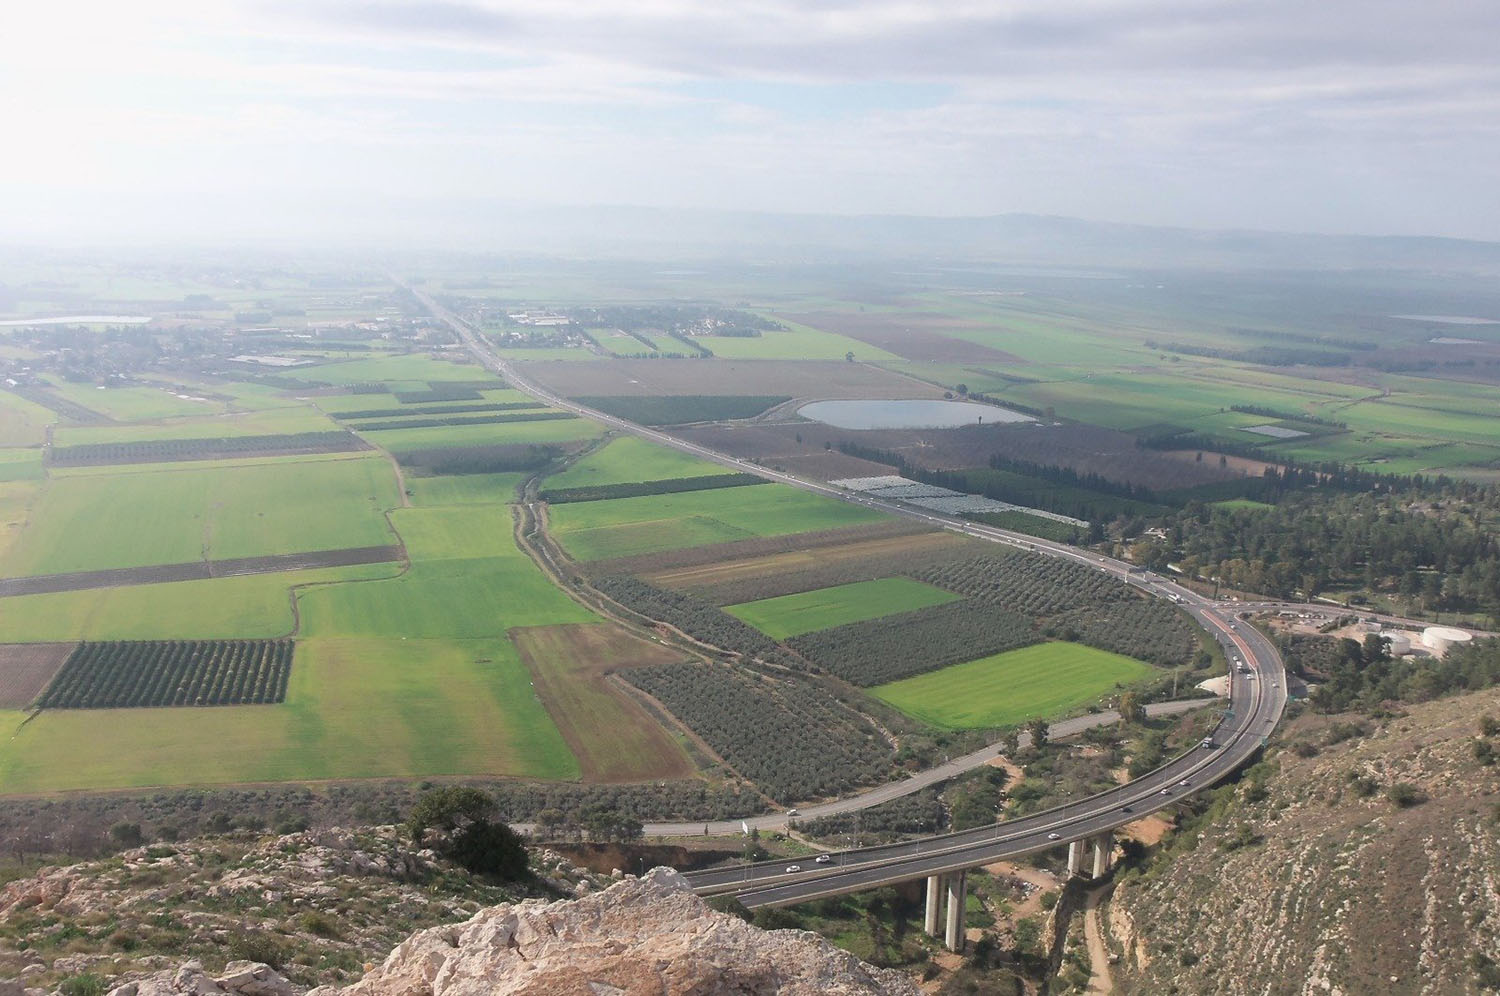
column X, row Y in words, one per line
column 1257, row 699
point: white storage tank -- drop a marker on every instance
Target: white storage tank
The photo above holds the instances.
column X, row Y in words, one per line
column 1399, row 643
column 1440, row 638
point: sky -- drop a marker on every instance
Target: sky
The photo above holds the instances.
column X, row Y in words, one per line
column 1341, row 116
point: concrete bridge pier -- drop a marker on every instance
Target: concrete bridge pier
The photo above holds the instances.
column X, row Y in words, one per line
column 955, row 885
column 958, row 896
column 1075, row 858
column 1104, row 846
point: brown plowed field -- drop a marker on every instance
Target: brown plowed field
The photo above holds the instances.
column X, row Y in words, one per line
column 799, row 378
column 913, row 336
column 26, row 668
column 612, row 735
column 756, row 547
column 1085, row 448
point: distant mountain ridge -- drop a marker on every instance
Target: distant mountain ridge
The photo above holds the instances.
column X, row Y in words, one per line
column 1021, row 239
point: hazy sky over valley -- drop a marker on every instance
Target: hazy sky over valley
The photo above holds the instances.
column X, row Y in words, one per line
column 1372, row 116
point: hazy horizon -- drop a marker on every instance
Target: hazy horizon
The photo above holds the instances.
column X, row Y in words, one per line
column 174, row 121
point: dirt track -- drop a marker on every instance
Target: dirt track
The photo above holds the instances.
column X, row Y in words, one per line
column 198, row 570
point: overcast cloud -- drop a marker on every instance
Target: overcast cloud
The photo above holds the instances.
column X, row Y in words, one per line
column 1370, row 116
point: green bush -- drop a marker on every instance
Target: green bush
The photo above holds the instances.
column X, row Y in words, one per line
column 319, row 924
column 87, row 984
column 476, row 838
column 487, row 848
column 252, row 945
column 127, row 835
column 1405, row 795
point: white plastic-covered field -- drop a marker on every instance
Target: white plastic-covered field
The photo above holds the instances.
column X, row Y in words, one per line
column 938, row 499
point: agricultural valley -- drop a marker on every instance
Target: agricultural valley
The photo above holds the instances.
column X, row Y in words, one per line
column 299, row 542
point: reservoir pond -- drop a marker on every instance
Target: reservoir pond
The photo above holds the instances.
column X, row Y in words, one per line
column 912, row 414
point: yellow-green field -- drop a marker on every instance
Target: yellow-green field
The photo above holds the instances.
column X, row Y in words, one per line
column 250, row 606
column 467, row 580
column 355, row 708
column 199, row 511
column 1046, row 680
column 627, row 460
column 625, row 527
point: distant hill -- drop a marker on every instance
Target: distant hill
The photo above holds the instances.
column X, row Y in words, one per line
column 1021, row 239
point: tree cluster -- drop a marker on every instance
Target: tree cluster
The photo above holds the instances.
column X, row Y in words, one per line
column 1147, row 629
column 790, row 737
column 472, row 833
column 637, row 489
column 695, row 617
column 1443, row 551
column 169, row 450
column 898, row 646
column 1027, row 583
column 140, row 673
column 1363, row 676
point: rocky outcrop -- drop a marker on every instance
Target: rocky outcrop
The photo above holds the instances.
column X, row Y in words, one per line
column 638, row 937
column 641, row 937
column 240, row 978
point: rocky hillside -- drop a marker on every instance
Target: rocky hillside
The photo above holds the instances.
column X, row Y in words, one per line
column 319, row 905
column 275, row 917
column 1350, row 862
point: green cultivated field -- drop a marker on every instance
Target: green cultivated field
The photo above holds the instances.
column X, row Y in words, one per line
column 1241, row 504
column 354, row 709
column 409, row 370
column 1045, row 680
column 247, row 605
column 488, row 434
column 203, row 511
column 338, row 404
column 127, row 403
column 625, row 527
column 21, row 422
column 627, row 460
column 467, row 580
column 464, row 489
column 792, row 615
column 112, row 470
column 20, row 465
column 274, row 422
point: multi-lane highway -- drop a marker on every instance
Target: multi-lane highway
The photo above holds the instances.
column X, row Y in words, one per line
column 1256, row 700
